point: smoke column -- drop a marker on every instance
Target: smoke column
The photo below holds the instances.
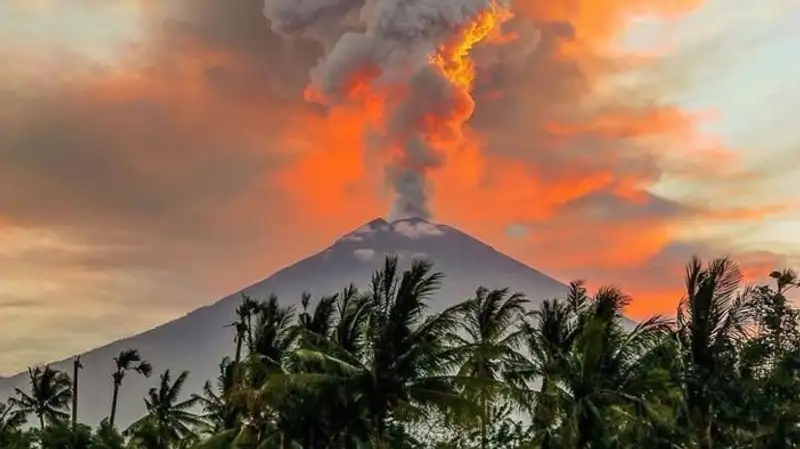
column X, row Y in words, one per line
column 408, row 62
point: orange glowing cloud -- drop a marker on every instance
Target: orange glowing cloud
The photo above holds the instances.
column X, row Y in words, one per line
column 540, row 148
column 206, row 142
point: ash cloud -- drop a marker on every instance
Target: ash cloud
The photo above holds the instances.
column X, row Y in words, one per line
column 389, row 43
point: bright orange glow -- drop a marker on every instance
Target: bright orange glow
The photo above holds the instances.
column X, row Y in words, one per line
column 248, row 172
column 453, row 58
column 482, row 190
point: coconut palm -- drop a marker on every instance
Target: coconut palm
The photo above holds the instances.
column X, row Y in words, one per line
column 274, row 334
column 11, row 419
column 12, row 435
column 273, row 337
column 403, row 368
column 712, row 318
column 321, row 320
column 168, row 422
column 127, row 360
column 609, row 372
column 334, row 417
column 243, row 326
column 407, row 362
column 591, row 367
column 49, row 397
column 548, row 333
column 766, row 383
column 320, row 409
column 486, row 339
column 76, row 367
column 219, row 410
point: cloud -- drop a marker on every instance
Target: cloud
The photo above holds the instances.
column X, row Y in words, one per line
column 191, row 165
column 417, row 230
column 572, row 153
column 159, row 168
column 364, row 254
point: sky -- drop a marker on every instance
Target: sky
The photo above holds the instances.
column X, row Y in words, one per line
column 156, row 156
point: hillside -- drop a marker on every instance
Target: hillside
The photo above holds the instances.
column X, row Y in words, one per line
column 197, row 341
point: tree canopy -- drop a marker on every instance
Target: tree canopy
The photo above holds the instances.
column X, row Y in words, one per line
column 378, row 369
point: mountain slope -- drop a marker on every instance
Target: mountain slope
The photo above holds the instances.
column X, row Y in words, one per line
column 199, row 340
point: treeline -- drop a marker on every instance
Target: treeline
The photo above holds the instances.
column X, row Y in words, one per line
column 378, row 370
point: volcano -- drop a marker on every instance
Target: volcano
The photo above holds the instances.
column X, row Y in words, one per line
column 200, row 339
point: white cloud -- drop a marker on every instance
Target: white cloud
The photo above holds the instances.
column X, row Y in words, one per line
column 417, row 230
column 359, row 234
column 364, row 254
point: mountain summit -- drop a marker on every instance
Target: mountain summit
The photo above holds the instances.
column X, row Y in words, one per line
column 199, row 340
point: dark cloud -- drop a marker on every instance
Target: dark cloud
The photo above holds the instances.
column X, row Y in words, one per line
column 159, row 146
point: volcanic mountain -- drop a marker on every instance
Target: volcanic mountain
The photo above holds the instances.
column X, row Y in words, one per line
column 200, row 339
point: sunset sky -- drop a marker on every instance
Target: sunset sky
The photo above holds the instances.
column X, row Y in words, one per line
column 158, row 155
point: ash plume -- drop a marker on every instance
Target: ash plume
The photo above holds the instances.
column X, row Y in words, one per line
column 387, row 45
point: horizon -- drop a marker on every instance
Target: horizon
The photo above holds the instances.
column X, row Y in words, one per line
column 250, row 284
column 359, row 230
column 156, row 156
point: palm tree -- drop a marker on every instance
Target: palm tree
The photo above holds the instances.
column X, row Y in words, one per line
column 245, row 409
column 273, row 339
column 321, row 320
column 168, row 420
column 50, row 395
column 11, row 434
column 324, row 411
column 127, row 360
column 762, row 392
column 609, row 372
column 548, row 333
column 404, row 364
column 108, row 437
column 11, row 419
column 711, row 321
column 487, row 337
column 407, row 361
column 274, row 334
column 244, row 326
column 219, row 410
column 591, row 367
column 76, row 366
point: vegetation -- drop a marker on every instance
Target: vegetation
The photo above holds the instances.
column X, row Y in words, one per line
column 380, row 369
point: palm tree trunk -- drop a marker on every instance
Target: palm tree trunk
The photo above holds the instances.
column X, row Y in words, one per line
column 701, row 421
column 76, row 364
column 539, row 420
column 249, row 334
column 41, row 420
column 484, row 424
column 114, row 399
column 586, row 425
column 238, row 355
column 379, row 429
column 705, row 442
column 286, row 442
column 704, row 439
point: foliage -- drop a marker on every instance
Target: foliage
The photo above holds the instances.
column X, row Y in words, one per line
column 127, row 360
column 49, row 397
column 378, row 369
column 168, row 422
